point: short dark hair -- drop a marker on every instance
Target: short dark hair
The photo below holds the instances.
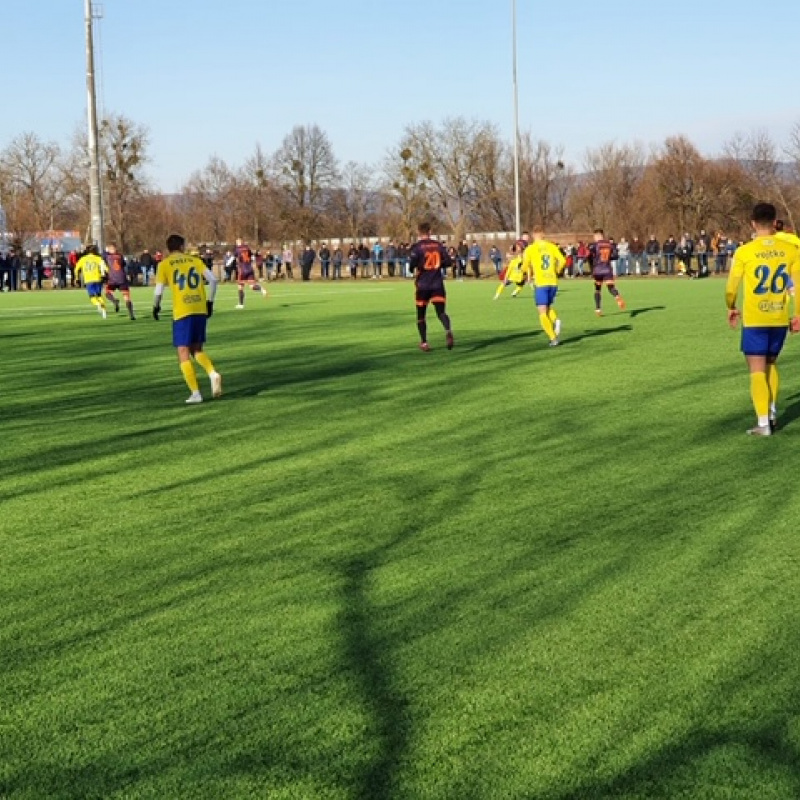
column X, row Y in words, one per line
column 600, row 231
column 424, row 228
column 175, row 242
column 764, row 213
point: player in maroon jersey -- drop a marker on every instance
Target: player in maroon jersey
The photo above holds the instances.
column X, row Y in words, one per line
column 245, row 272
column 427, row 260
column 117, row 279
column 602, row 252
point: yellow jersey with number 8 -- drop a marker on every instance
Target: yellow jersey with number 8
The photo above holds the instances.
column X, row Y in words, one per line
column 184, row 276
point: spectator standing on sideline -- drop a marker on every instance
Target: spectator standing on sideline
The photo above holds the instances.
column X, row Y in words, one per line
column 653, row 252
column 582, row 256
column 337, row 257
column 624, row 257
column 307, row 262
column 391, row 258
column 147, row 264
column 474, row 254
column 637, row 261
column 325, row 261
column 287, row 258
column 669, row 252
column 684, row 254
column 496, row 257
column 377, row 260
column 462, row 253
column 363, row 259
column 352, row 261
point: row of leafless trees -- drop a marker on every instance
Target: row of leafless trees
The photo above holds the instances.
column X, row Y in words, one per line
column 458, row 173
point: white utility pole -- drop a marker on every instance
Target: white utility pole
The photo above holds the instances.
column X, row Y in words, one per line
column 95, row 192
column 517, row 220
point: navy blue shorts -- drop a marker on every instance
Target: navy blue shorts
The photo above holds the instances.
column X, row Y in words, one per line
column 189, row 330
column 763, row 341
column 95, row 289
column 545, row 295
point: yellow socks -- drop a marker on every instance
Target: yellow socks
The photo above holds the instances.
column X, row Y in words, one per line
column 547, row 326
column 773, row 382
column 187, row 368
column 205, row 362
column 759, row 392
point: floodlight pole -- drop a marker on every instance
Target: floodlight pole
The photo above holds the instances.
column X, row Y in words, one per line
column 517, row 221
column 95, row 192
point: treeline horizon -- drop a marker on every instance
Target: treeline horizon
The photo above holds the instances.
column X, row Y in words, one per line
column 458, row 174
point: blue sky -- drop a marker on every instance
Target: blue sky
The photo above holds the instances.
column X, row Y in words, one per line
column 215, row 78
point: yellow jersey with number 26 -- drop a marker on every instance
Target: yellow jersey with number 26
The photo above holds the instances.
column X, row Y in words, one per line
column 184, row 276
column 764, row 267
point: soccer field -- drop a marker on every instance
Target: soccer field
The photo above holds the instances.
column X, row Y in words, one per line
column 505, row 571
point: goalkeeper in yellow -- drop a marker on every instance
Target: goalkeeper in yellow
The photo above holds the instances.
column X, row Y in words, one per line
column 93, row 269
column 545, row 263
column 186, row 275
column 765, row 268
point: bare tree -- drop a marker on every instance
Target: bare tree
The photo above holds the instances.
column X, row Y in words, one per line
column 407, row 191
column 257, row 198
column 305, row 168
column 209, row 199
column 355, row 203
column 124, row 158
column 449, row 158
column 545, row 183
column 31, row 180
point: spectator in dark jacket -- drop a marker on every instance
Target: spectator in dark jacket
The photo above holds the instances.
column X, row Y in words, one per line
column 669, row 249
column 325, row 261
column 307, row 262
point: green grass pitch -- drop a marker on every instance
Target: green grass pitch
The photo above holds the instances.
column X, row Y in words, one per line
column 503, row 571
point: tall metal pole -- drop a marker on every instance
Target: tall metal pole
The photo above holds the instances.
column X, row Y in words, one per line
column 95, row 193
column 517, row 221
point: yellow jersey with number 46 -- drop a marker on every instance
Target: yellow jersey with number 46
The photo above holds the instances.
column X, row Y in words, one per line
column 766, row 268
column 545, row 262
column 184, row 276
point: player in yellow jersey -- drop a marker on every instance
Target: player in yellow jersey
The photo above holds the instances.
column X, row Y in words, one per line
column 191, row 307
column 513, row 273
column 764, row 268
column 545, row 263
column 93, row 269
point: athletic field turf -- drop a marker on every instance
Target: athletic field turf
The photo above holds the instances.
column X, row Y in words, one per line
column 505, row 571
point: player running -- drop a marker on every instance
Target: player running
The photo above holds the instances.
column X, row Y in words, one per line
column 427, row 258
column 513, row 273
column 94, row 270
column 117, row 279
column 545, row 262
column 764, row 266
column 245, row 272
column 601, row 253
column 191, row 308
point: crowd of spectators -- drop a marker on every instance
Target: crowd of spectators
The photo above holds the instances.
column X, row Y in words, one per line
column 694, row 256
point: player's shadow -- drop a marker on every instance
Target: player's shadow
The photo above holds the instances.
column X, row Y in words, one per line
column 502, row 339
column 598, row 332
column 791, row 413
column 635, row 312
